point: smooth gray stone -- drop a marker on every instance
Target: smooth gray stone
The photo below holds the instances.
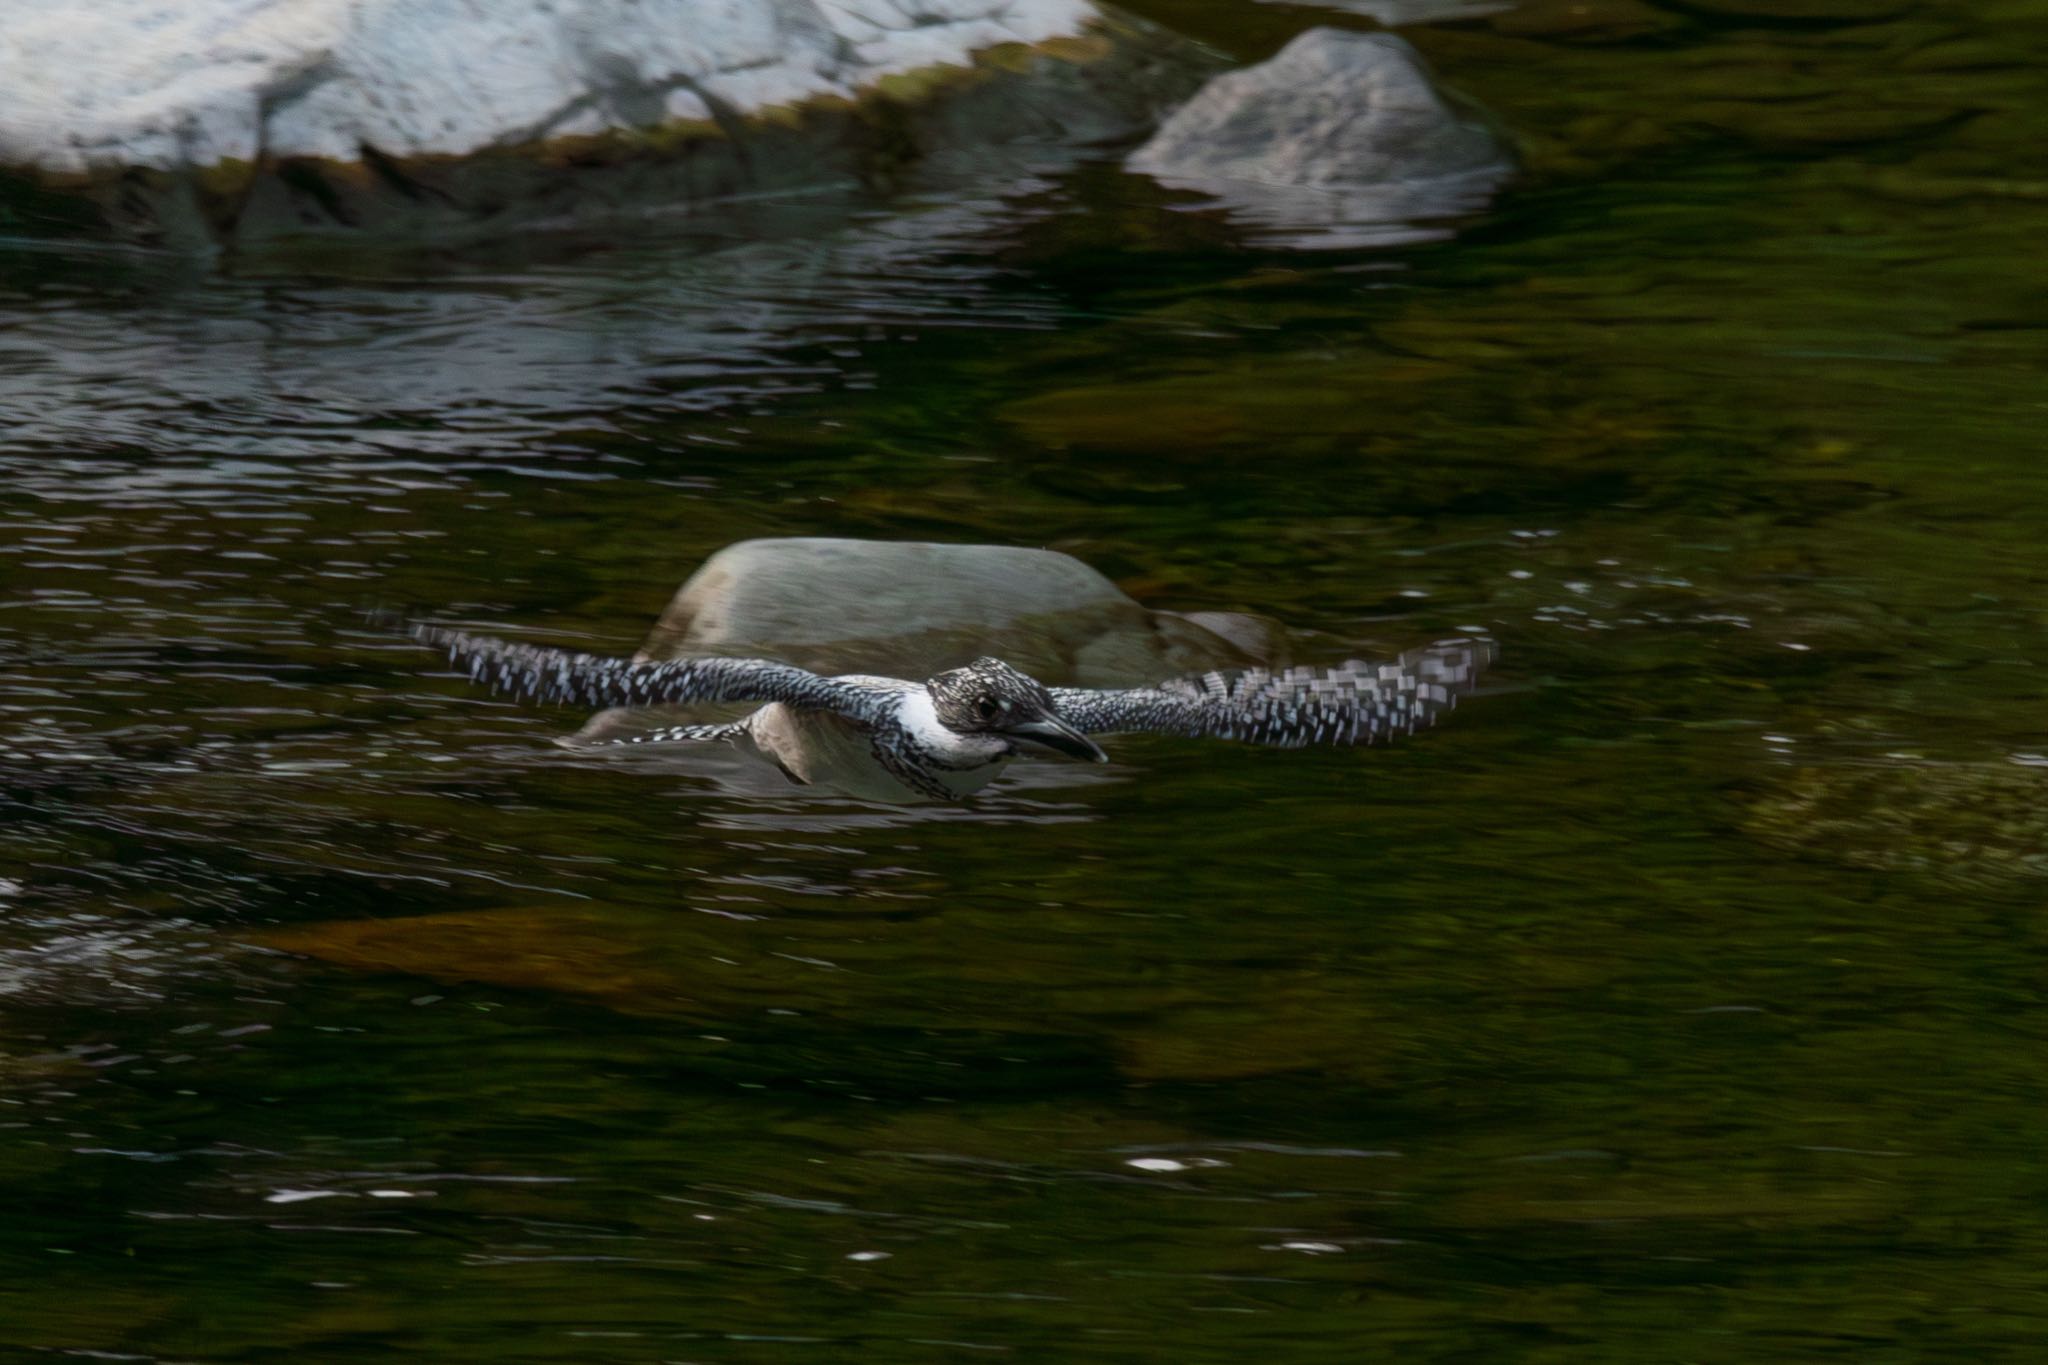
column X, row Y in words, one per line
column 1341, row 139
column 909, row 610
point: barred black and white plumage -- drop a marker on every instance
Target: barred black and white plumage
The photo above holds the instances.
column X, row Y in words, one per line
column 1354, row 703
column 950, row 735
column 543, row 673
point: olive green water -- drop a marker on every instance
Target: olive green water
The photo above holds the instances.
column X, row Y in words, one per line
column 1681, row 1001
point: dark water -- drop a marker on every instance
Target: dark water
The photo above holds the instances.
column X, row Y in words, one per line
column 1682, row 1002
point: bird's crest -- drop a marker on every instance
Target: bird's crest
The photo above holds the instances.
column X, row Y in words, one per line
column 987, row 693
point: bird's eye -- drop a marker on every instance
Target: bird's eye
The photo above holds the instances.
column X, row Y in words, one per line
column 985, row 708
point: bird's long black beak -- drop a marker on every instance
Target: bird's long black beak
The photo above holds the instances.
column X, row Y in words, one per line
column 1053, row 733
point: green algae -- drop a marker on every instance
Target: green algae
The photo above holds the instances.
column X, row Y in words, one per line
column 1965, row 823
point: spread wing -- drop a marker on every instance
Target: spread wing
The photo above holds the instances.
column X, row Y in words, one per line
column 1354, row 703
column 597, row 680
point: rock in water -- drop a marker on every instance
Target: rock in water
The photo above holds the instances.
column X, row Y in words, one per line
column 214, row 121
column 1970, row 824
column 909, row 610
column 1342, row 139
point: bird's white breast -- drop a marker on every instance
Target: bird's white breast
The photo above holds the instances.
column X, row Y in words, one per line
column 921, row 723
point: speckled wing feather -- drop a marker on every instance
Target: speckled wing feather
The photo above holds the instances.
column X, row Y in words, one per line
column 597, row 680
column 1354, row 703
column 676, row 734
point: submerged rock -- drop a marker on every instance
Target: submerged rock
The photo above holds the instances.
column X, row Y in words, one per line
column 1971, row 823
column 227, row 120
column 654, row 966
column 1342, row 139
column 1807, row 11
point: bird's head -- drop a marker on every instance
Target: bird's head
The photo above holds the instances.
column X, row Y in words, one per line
column 988, row 697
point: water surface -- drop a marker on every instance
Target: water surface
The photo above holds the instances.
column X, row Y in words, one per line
column 1683, row 1001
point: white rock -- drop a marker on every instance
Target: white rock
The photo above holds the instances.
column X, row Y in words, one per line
column 204, row 122
column 171, row 84
column 1340, row 139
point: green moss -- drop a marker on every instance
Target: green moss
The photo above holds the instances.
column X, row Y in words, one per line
column 1972, row 823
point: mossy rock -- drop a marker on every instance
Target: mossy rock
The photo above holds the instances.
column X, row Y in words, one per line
column 1971, row 822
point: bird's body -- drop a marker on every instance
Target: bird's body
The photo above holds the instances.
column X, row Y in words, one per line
column 827, row 749
column 951, row 735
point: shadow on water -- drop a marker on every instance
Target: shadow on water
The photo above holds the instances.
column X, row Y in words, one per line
column 1682, row 1003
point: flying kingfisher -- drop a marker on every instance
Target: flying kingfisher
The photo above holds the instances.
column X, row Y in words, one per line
column 949, row 736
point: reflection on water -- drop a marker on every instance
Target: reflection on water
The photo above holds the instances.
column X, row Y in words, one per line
column 417, row 366
column 1681, row 1003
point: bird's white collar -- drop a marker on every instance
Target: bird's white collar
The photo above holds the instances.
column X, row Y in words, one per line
column 921, row 723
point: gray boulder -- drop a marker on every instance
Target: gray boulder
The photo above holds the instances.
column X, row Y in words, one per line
column 1341, row 139
column 909, row 610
